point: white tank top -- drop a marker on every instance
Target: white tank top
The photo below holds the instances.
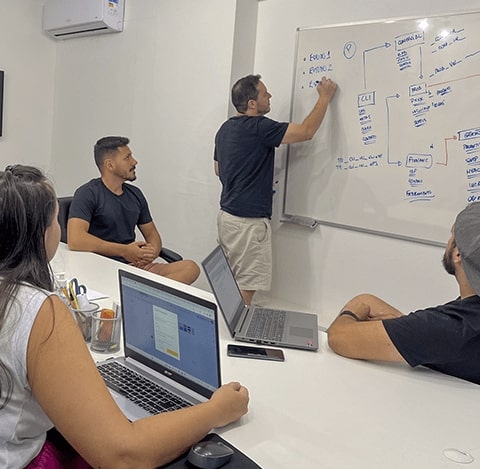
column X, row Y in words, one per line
column 23, row 423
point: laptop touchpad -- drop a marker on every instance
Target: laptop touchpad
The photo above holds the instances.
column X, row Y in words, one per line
column 301, row 332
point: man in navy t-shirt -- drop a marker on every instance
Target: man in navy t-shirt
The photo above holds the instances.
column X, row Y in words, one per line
column 445, row 338
column 106, row 211
column 244, row 160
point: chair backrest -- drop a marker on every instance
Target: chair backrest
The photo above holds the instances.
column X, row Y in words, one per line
column 63, row 209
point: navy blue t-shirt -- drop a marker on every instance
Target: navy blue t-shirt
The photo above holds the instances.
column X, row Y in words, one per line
column 445, row 338
column 112, row 217
column 245, row 150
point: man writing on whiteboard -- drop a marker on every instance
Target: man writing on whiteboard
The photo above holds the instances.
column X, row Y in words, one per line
column 445, row 338
column 244, row 160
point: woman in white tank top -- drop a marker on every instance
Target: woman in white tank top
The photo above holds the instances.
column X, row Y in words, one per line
column 47, row 376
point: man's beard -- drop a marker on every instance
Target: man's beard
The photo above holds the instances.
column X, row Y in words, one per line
column 131, row 176
column 448, row 262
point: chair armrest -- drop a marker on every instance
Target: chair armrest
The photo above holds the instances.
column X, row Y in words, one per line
column 169, row 255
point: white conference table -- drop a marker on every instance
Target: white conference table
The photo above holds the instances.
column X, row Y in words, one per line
column 320, row 410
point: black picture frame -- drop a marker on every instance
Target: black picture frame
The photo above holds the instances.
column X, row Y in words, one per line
column 2, row 76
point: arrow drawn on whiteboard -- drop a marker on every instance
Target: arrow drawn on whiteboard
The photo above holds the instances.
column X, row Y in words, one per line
column 451, row 81
column 396, row 96
column 420, row 52
column 446, row 140
column 386, row 45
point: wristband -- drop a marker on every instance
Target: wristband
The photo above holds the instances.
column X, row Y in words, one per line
column 351, row 314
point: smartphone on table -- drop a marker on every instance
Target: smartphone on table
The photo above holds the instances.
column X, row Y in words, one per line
column 261, row 353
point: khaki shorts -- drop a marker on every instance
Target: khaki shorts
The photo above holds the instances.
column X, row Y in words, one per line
column 247, row 242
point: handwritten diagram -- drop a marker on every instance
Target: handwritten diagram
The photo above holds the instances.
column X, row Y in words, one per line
column 399, row 152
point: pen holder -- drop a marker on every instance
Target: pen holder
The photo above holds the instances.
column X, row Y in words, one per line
column 83, row 317
column 106, row 327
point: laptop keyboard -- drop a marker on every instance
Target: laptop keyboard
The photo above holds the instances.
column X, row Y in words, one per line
column 267, row 324
column 146, row 394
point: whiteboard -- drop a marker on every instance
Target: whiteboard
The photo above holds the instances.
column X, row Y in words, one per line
column 398, row 153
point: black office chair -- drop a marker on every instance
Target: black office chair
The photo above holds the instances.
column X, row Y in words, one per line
column 63, row 209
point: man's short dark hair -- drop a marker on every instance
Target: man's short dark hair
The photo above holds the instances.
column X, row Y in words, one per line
column 243, row 90
column 107, row 145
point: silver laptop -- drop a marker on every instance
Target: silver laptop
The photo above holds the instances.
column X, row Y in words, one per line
column 171, row 349
column 253, row 323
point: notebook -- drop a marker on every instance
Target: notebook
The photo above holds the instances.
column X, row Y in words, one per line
column 296, row 329
column 170, row 340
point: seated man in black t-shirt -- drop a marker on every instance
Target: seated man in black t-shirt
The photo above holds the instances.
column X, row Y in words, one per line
column 105, row 213
column 445, row 338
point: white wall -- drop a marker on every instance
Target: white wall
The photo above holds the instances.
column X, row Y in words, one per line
column 164, row 83
column 28, row 59
column 322, row 269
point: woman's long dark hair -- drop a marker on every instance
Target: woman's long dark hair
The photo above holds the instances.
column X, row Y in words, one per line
column 27, row 208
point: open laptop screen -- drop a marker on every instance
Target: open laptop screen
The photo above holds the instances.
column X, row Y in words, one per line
column 172, row 329
column 224, row 286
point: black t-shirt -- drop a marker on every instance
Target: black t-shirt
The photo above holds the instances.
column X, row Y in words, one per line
column 445, row 338
column 112, row 217
column 245, row 150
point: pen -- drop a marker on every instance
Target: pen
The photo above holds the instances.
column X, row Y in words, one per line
column 65, row 293
column 73, row 295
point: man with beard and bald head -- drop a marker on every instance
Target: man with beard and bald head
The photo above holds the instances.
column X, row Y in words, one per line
column 445, row 338
column 106, row 211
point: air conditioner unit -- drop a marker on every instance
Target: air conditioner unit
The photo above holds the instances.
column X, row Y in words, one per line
column 65, row 19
